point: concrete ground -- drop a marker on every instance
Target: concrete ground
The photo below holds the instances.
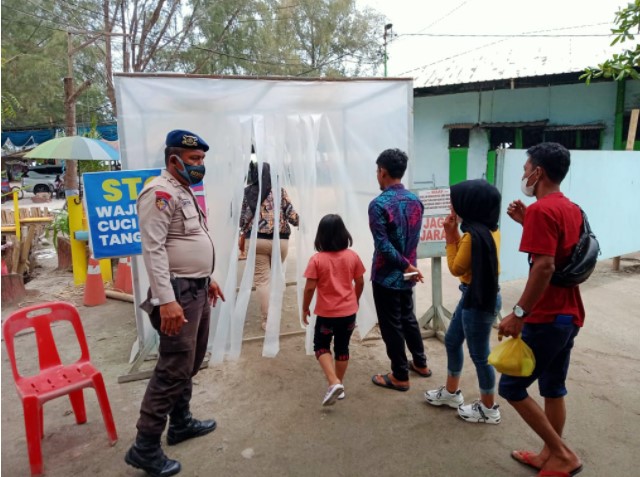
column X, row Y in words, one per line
column 271, row 423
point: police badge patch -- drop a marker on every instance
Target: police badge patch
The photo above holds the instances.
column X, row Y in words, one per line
column 162, row 200
column 189, row 141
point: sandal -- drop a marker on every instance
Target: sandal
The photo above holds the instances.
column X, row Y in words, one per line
column 559, row 473
column 413, row 368
column 387, row 383
column 524, row 458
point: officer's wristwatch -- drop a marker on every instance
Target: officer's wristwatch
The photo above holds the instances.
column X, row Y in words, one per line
column 519, row 311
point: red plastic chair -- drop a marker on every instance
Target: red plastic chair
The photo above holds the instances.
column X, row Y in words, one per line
column 54, row 379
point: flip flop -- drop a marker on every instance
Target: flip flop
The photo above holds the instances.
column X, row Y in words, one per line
column 413, row 368
column 559, row 473
column 524, row 458
column 387, row 383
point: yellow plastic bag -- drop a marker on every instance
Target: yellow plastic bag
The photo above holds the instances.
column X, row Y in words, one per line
column 513, row 357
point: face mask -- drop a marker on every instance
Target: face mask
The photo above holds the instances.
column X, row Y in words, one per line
column 191, row 174
column 528, row 190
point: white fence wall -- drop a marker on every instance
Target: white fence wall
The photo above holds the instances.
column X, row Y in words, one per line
column 606, row 184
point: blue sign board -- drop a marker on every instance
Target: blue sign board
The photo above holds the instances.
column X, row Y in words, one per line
column 110, row 199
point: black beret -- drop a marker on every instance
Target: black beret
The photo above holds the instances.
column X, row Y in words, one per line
column 186, row 140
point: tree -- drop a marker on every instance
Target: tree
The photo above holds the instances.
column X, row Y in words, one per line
column 10, row 103
column 335, row 39
column 288, row 37
column 244, row 37
column 34, row 51
column 624, row 64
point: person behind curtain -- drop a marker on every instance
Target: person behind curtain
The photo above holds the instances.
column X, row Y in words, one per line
column 395, row 220
column 262, row 197
column 473, row 258
column 336, row 272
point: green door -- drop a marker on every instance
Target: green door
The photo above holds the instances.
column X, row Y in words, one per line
column 457, row 164
column 491, row 167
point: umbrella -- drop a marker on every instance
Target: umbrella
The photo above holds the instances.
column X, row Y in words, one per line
column 74, row 148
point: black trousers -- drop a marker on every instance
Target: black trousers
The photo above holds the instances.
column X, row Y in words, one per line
column 180, row 357
column 398, row 326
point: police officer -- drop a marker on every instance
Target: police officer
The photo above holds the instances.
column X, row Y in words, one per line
column 179, row 256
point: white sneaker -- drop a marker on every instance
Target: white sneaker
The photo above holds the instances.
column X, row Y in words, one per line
column 341, row 396
column 332, row 394
column 442, row 397
column 478, row 412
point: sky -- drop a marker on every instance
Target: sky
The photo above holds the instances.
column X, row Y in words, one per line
column 406, row 52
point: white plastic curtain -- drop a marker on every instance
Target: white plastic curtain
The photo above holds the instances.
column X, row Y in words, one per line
column 321, row 139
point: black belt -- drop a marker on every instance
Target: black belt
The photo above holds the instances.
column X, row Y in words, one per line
column 194, row 285
column 196, row 282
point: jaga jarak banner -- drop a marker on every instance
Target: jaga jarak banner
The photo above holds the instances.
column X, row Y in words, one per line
column 110, row 201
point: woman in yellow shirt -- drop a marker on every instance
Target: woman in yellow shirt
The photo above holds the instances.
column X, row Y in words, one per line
column 473, row 258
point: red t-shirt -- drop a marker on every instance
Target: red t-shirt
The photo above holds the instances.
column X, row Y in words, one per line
column 335, row 272
column 552, row 227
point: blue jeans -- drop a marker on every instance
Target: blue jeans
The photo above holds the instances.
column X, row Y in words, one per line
column 475, row 327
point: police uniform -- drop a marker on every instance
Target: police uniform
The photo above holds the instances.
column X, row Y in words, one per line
column 179, row 256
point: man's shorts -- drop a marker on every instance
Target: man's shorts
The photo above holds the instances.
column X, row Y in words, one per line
column 551, row 344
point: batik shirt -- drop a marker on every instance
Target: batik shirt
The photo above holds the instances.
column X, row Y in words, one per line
column 395, row 220
column 288, row 215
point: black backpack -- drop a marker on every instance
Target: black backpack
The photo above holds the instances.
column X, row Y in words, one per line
column 583, row 259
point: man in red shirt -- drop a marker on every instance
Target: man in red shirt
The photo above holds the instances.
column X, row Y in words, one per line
column 548, row 316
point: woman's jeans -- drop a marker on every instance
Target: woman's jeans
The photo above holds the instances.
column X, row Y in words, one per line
column 474, row 326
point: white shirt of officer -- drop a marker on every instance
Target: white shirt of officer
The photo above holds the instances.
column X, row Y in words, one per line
column 175, row 236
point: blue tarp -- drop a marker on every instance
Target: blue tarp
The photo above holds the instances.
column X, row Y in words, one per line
column 24, row 137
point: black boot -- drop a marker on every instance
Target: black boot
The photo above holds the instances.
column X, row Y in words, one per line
column 186, row 427
column 146, row 454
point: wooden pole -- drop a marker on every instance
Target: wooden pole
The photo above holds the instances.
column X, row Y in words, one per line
column 631, row 139
column 25, row 249
column 437, row 316
column 633, row 128
column 71, row 167
column 118, row 295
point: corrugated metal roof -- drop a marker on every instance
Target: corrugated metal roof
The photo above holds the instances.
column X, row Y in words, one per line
column 532, row 124
column 575, row 127
column 516, row 124
column 460, row 126
column 516, row 58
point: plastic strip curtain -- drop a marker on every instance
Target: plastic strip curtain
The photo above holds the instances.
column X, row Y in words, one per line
column 303, row 163
column 321, row 139
column 269, row 138
column 311, row 158
column 269, row 134
column 328, row 181
column 228, row 317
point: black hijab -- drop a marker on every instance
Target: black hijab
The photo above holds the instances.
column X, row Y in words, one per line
column 478, row 204
column 252, row 190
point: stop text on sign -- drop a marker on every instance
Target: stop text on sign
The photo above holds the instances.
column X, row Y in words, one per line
column 111, row 211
